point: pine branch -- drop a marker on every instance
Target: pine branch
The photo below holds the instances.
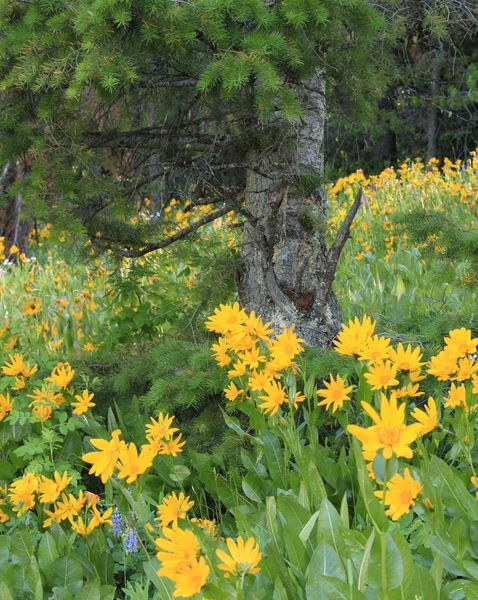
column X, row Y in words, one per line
column 151, row 247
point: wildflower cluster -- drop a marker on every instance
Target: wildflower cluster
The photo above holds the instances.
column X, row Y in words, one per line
column 179, row 549
column 81, row 510
column 448, row 190
column 398, row 371
column 117, row 455
column 393, row 422
column 257, row 359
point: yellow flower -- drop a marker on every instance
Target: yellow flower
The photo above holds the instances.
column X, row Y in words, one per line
column 104, row 461
column 15, row 366
column 32, row 307
column 172, row 446
column 456, row 397
column 131, row 464
column 62, row 374
column 83, row 402
column 406, row 359
column 400, row 495
column 389, row 431
column 206, row 524
column 284, row 347
column 68, row 507
column 172, row 508
column 410, row 390
column 191, row 579
column 243, row 557
column 275, row 395
column 3, row 516
column 176, row 549
column 474, row 379
column 22, row 493
column 460, row 343
column 226, row 318
column 252, row 357
column 258, row 380
column 220, row 351
column 427, row 418
column 14, row 249
column 101, row 519
column 382, row 375
column 28, row 371
column 376, row 349
column 51, row 489
column 466, row 369
column 80, row 526
column 335, row 393
column 442, row 366
column 255, row 326
column 238, row 369
column 91, row 499
column 6, row 405
column 354, row 337
column 46, row 397
column 232, row 392
column 297, row 398
column 160, row 429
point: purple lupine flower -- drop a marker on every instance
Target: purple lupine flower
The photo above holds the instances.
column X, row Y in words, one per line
column 117, row 523
column 131, row 541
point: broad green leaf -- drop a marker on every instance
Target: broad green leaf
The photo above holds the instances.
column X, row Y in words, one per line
column 179, row 473
column 325, row 561
column 90, row 591
column 255, row 488
column 308, row 527
column 47, row 551
column 292, row 513
column 67, row 572
column 458, row 500
column 4, row 550
column 374, row 508
column 329, row 526
column 33, row 582
column 315, row 484
column 107, row 592
column 5, row 593
column 471, row 590
column 329, row 588
column 21, row 548
column 362, row 576
column 420, row 585
column 271, row 521
column 296, row 550
column 344, row 511
column 163, row 585
column 275, row 459
column 391, row 575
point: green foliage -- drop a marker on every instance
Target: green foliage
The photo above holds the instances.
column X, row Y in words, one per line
column 457, row 241
column 83, row 88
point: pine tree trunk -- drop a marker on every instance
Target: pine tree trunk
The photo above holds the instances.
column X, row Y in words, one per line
column 432, row 117
column 285, row 255
column 13, row 228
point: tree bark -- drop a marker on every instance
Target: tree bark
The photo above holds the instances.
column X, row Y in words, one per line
column 14, row 229
column 284, row 277
column 432, row 117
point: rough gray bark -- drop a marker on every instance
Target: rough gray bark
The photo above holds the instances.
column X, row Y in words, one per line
column 285, row 277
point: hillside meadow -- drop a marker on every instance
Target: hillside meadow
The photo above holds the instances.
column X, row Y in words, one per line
column 158, row 441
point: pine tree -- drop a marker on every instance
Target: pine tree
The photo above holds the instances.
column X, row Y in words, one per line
column 114, row 99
